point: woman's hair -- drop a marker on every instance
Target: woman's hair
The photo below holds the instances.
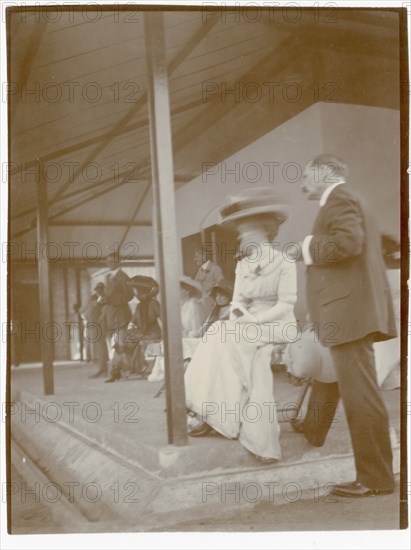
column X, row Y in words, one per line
column 270, row 223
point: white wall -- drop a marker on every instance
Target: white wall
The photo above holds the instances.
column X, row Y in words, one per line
column 296, row 141
column 367, row 138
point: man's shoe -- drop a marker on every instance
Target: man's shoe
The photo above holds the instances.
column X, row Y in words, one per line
column 98, row 374
column 201, row 431
column 357, row 490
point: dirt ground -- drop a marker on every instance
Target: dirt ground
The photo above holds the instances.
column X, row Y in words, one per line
column 324, row 513
column 317, row 514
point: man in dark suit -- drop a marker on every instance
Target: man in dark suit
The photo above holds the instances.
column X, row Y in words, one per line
column 116, row 312
column 349, row 302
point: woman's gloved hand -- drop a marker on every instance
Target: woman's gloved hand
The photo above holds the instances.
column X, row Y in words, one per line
column 239, row 314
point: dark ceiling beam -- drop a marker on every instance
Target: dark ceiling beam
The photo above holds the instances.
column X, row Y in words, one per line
column 136, row 211
column 288, row 50
column 182, row 178
column 74, row 193
column 78, row 192
column 174, row 64
column 355, row 45
column 369, row 18
column 317, row 21
column 271, row 64
column 31, row 225
column 345, row 34
column 27, row 63
column 134, row 261
column 185, row 178
column 98, row 223
column 85, row 200
column 80, row 145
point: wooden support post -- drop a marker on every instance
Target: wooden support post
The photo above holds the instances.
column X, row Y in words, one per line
column 66, row 306
column 44, row 287
column 165, row 222
column 79, row 321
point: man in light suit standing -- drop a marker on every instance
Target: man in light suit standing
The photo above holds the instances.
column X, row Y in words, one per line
column 349, row 302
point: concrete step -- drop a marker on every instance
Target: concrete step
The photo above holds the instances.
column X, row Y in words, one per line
column 105, row 484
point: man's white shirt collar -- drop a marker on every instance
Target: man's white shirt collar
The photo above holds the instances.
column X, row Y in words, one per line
column 328, row 191
column 206, row 265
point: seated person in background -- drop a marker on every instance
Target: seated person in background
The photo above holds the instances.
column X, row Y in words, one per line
column 192, row 318
column 192, row 312
column 208, row 274
column 143, row 329
column 222, row 294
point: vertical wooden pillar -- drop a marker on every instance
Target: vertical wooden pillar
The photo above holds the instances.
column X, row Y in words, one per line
column 165, row 222
column 215, row 247
column 44, row 286
column 79, row 324
column 66, row 309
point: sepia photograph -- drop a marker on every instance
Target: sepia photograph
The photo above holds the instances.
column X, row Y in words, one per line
column 204, row 287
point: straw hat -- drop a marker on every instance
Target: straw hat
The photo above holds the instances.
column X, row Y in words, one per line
column 224, row 286
column 252, row 202
column 192, row 285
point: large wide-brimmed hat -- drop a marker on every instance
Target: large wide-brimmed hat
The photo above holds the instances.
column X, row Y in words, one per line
column 143, row 282
column 224, row 286
column 253, row 202
column 192, row 285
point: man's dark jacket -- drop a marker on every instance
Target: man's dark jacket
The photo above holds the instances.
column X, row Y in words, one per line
column 348, row 295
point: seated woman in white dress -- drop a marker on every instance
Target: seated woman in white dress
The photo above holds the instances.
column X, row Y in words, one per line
column 221, row 294
column 192, row 312
column 229, row 382
column 192, row 318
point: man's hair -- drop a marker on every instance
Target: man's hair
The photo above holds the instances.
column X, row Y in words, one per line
column 337, row 166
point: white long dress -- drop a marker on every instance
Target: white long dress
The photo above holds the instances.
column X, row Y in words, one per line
column 192, row 318
column 229, row 382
